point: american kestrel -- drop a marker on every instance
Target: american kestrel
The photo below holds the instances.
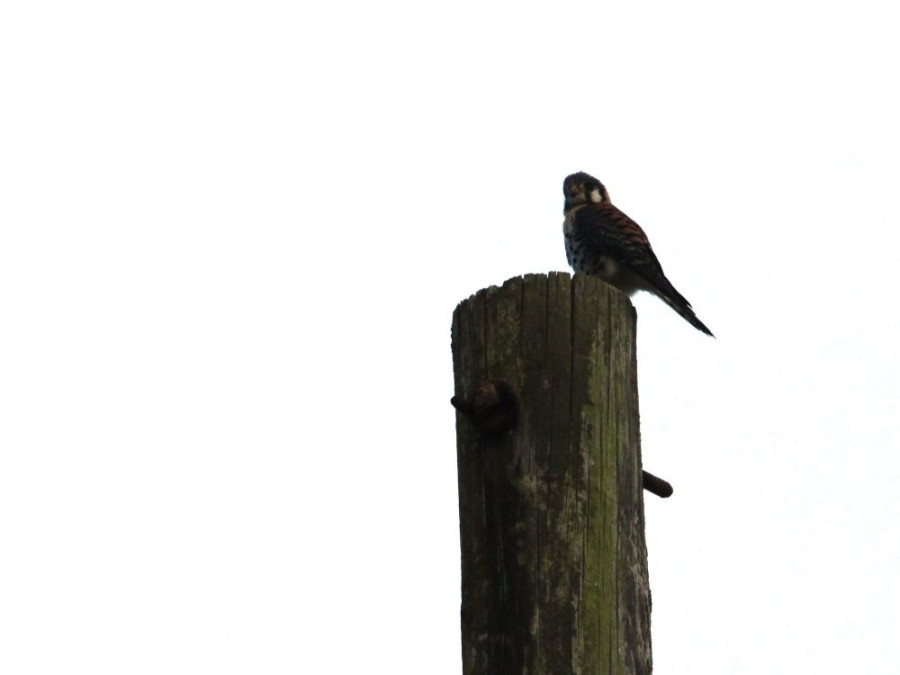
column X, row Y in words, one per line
column 604, row 242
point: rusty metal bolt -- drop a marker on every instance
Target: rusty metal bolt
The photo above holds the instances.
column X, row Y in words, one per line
column 493, row 407
column 657, row 486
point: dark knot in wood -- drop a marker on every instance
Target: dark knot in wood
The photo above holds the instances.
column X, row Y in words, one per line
column 493, row 407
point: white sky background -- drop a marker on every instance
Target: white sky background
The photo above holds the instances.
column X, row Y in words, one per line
column 231, row 240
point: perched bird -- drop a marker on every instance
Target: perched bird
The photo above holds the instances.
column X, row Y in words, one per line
column 604, row 242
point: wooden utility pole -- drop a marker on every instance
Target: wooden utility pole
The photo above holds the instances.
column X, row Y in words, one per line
column 554, row 562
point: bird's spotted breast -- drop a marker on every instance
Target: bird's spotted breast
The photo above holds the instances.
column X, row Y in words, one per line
column 574, row 249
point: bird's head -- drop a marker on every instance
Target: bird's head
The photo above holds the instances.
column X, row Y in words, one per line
column 581, row 188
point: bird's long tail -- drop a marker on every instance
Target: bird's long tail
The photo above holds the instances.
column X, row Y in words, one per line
column 676, row 301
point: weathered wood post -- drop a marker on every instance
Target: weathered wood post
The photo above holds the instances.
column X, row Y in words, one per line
column 554, row 562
